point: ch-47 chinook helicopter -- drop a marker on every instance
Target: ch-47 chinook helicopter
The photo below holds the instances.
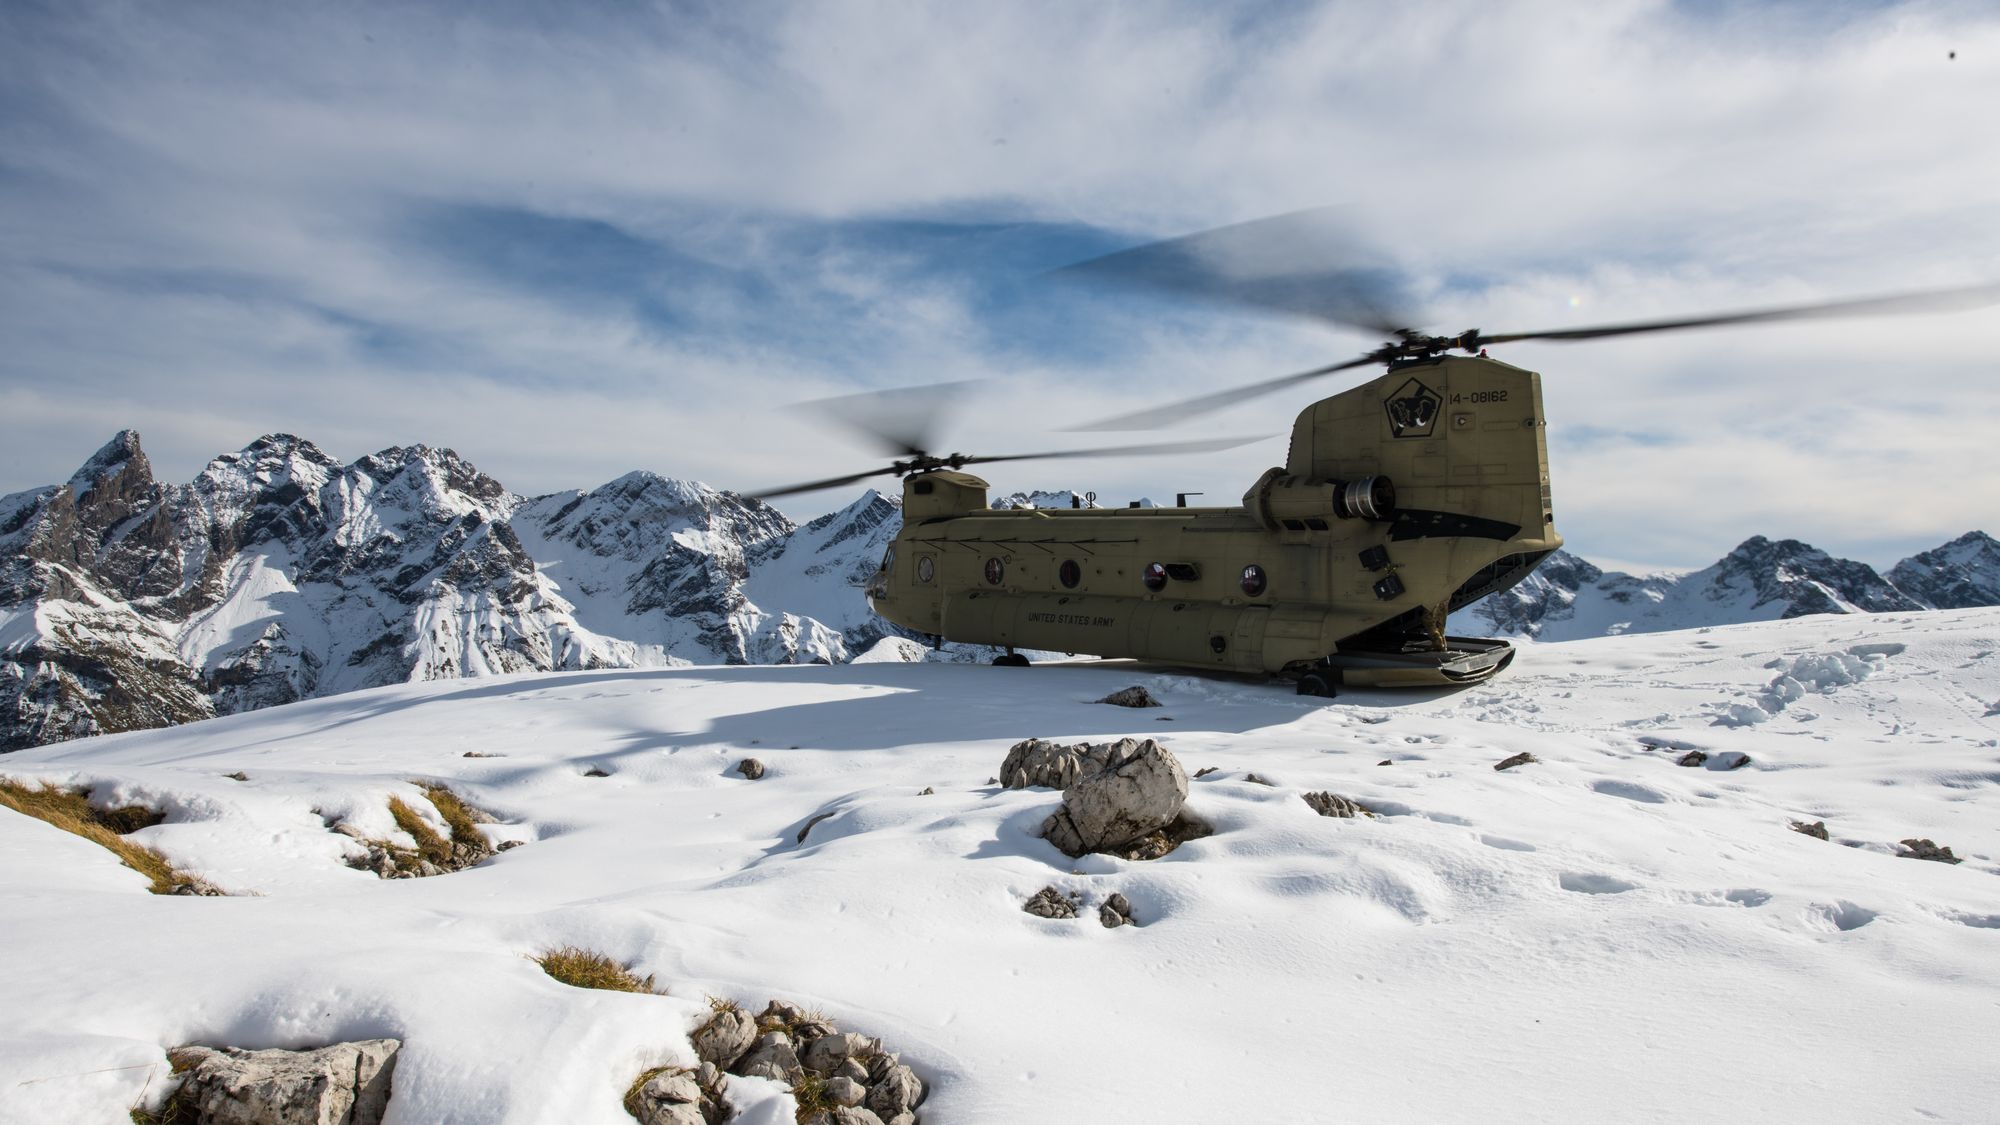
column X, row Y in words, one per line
column 1400, row 501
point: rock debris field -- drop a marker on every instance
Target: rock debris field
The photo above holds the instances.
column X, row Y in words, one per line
column 1751, row 872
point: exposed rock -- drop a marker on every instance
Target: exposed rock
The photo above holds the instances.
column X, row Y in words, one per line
column 844, row 1115
column 1333, row 804
column 927, row 791
column 1385, row 762
column 1257, row 779
column 1178, row 831
column 824, row 1054
column 897, row 1090
column 1206, row 770
column 1733, row 760
column 596, row 771
column 779, row 1014
column 1050, row 903
column 750, row 768
column 842, row 1090
column 1139, row 790
column 679, row 1096
column 1521, row 759
column 1134, row 696
column 808, row 826
column 1692, row 758
column 1816, row 829
column 770, row 1057
column 725, row 1037
column 1116, row 912
column 342, row 1084
column 1924, row 849
column 1039, row 764
column 852, row 1068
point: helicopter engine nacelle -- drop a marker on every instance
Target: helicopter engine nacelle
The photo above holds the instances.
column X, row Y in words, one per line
column 1285, row 502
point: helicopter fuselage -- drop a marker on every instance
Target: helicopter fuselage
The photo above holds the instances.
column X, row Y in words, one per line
column 1401, row 500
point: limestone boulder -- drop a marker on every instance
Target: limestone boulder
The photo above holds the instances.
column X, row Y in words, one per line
column 725, row 1037
column 342, row 1084
column 1139, row 790
column 1040, row 764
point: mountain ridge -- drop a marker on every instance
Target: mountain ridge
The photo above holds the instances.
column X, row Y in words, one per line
column 280, row 573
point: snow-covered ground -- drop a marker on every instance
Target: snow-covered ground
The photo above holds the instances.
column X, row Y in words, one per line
column 1600, row 936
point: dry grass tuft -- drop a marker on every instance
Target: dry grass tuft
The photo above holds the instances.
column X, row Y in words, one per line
column 584, row 969
column 723, row 1004
column 809, row 1090
column 430, row 846
column 69, row 810
column 458, row 815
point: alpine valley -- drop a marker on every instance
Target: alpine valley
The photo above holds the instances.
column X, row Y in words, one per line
column 282, row 574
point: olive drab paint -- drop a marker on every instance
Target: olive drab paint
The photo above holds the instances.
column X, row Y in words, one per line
column 1400, row 500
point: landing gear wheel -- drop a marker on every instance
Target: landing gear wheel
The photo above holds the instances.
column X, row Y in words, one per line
column 1317, row 682
column 1010, row 660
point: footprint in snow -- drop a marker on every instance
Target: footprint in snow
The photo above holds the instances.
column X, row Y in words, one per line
column 1629, row 791
column 1838, row 916
column 1588, row 884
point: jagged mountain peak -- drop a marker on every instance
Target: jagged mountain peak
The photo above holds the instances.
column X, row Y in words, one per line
column 109, row 459
column 1957, row 575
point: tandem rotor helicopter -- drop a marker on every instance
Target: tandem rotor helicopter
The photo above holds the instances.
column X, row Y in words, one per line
column 1400, row 501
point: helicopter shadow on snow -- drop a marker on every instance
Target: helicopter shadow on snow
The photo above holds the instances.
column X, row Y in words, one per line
column 912, row 704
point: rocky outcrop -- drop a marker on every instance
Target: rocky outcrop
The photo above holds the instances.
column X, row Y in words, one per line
column 1139, row 790
column 1134, row 696
column 1925, row 849
column 675, row 1095
column 1335, row 805
column 836, row 1076
column 344, row 1084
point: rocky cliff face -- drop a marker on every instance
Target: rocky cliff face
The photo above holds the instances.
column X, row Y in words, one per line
column 1568, row 598
column 281, row 574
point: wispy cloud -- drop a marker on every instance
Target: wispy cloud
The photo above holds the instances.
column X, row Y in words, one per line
column 571, row 242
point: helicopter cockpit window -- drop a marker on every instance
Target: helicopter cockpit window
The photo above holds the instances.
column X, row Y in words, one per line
column 889, row 560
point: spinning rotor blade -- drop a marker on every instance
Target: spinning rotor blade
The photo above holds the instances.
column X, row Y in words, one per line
column 1152, row 450
column 925, row 462
column 815, row 486
column 1929, row 300
column 1157, row 416
column 900, row 420
column 1278, row 264
column 1414, row 345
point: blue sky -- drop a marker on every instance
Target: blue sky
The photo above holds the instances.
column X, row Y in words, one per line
column 571, row 242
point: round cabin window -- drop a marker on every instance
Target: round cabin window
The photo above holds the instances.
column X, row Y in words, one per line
column 926, row 568
column 1070, row 573
column 994, row 572
column 1155, row 576
column 1254, row 580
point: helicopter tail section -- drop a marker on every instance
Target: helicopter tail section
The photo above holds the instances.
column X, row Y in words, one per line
column 1438, row 471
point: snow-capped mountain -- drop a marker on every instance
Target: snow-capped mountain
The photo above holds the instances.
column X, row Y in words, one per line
column 1959, row 575
column 1567, row 598
column 281, row 574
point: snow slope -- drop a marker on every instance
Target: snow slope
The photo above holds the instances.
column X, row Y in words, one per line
column 1600, row 936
